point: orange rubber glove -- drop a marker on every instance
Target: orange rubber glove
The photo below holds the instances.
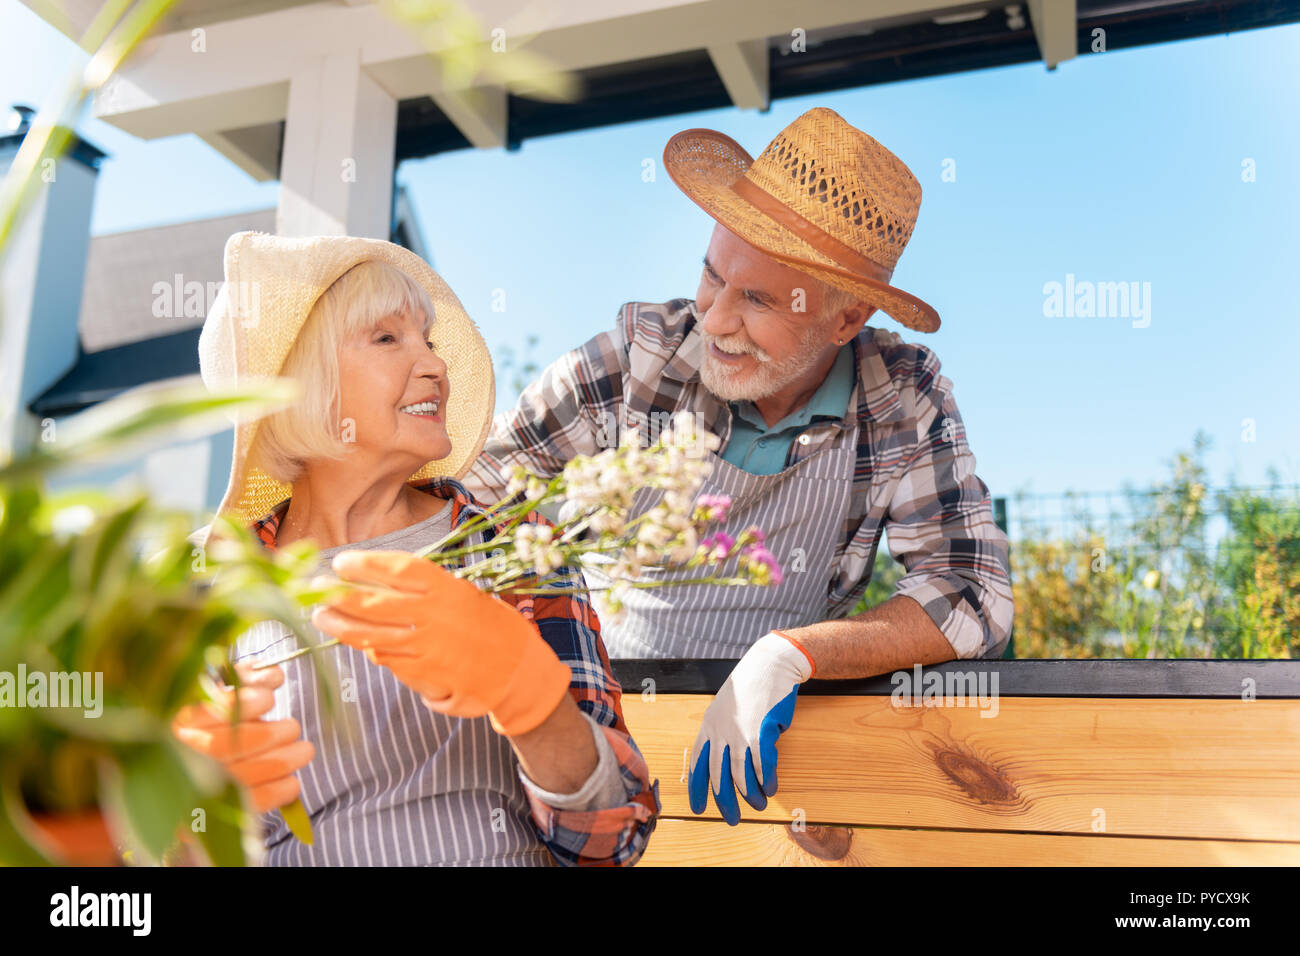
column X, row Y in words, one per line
column 465, row 652
column 263, row 755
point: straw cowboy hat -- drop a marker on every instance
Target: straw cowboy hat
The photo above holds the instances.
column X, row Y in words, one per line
column 271, row 285
column 823, row 197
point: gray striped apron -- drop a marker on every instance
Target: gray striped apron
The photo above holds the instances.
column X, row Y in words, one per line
column 802, row 512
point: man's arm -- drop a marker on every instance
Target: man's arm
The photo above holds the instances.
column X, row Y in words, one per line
column 891, row 636
column 940, row 528
column 955, row 600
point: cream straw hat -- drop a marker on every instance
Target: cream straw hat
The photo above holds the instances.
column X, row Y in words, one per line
column 823, row 197
column 271, row 285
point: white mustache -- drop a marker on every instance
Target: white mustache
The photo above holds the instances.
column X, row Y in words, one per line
column 738, row 348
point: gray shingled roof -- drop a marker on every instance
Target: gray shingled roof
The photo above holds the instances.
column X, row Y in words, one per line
column 132, row 276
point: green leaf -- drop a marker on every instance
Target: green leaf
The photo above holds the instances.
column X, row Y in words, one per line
column 153, row 792
column 173, row 411
column 222, row 835
column 15, row 849
column 116, row 725
column 34, row 596
column 129, row 30
column 112, row 553
column 299, row 823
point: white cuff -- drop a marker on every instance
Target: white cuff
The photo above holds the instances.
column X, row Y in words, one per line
column 602, row 790
column 776, row 651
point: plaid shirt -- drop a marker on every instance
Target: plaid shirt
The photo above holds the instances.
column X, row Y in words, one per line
column 914, row 475
column 611, row 837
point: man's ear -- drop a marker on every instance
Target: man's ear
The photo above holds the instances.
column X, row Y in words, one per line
column 852, row 320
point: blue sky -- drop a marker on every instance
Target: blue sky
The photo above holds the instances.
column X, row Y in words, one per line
column 1120, row 167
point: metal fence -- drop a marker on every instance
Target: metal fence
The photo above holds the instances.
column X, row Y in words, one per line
column 1115, row 515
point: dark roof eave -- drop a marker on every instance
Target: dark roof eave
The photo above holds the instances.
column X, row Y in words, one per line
column 99, row 376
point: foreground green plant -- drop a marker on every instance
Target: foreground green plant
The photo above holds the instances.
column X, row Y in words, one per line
column 114, row 32
column 111, row 620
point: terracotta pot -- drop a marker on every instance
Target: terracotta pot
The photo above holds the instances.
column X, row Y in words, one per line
column 80, row 838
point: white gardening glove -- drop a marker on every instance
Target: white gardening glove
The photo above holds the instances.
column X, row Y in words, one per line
column 753, row 708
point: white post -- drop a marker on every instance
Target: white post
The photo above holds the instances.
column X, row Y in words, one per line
column 40, row 296
column 336, row 172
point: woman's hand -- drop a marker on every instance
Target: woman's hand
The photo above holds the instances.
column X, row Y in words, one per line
column 263, row 755
column 463, row 651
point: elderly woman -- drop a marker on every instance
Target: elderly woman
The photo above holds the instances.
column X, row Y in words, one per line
column 489, row 732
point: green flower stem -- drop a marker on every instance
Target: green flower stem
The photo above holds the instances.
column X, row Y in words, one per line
column 321, row 645
column 461, row 552
column 567, row 524
column 728, row 582
column 573, row 531
column 498, row 584
column 553, row 490
column 465, row 530
column 483, row 568
column 517, row 510
column 496, row 543
column 639, row 585
column 510, row 575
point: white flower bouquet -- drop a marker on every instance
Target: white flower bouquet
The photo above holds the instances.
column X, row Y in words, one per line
column 596, row 494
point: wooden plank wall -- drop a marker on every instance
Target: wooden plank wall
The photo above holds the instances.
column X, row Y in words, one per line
column 1043, row 781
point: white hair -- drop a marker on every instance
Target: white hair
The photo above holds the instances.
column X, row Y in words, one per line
column 835, row 299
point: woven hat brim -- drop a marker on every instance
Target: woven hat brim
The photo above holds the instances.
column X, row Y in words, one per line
column 705, row 164
column 251, row 494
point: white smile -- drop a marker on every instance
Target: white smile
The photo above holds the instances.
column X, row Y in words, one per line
column 725, row 355
column 420, row 408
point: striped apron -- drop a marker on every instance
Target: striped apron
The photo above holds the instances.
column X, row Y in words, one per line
column 801, row 510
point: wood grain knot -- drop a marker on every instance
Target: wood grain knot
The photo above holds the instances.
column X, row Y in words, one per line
column 986, row 784
column 825, row 843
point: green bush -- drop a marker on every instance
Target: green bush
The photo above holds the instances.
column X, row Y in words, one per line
column 1158, row 589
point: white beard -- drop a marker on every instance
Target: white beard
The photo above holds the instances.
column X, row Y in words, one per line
column 768, row 378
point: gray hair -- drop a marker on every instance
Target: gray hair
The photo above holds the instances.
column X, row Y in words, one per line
column 835, row 299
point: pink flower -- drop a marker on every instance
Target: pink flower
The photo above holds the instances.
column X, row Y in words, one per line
column 717, row 546
column 712, row 508
column 761, row 564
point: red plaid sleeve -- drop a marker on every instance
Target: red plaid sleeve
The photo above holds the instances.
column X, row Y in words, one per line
column 615, row 836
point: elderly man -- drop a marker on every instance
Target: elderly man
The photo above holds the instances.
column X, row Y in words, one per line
column 832, row 431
